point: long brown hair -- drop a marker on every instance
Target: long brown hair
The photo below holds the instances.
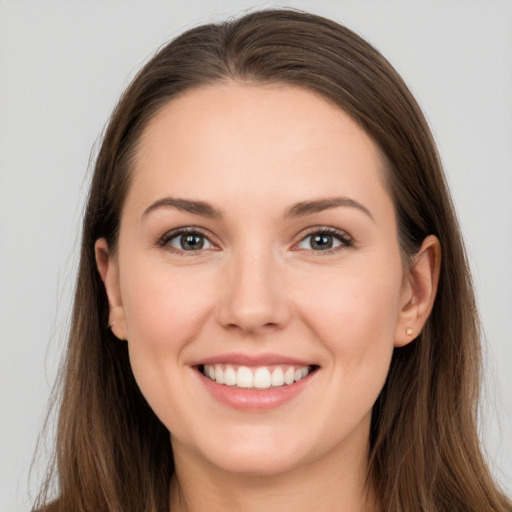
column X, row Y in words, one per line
column 112, row 453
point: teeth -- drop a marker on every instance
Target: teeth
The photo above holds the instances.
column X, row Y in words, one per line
column 219, row 375
column 230, row 376
column 262, row 377
column 244, row 378
column 278, row 377
column 289, row 375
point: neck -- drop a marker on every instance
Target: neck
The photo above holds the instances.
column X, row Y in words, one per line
column 324, row 485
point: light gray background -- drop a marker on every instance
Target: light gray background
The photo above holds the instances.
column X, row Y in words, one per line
column 62, row 67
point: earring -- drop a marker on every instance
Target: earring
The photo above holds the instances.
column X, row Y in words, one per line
column 409, row 331
column 110, row 325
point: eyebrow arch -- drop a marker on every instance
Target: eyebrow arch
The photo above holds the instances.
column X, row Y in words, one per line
column 186, row 205
column 308, row 207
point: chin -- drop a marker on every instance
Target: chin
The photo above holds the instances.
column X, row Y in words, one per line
column 268, row 456
column 257, row 464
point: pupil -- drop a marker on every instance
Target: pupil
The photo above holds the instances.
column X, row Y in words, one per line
column 321, row 242
column 192, row 242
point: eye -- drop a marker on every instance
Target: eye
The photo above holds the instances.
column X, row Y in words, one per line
column 186, row 241
column 325, row 240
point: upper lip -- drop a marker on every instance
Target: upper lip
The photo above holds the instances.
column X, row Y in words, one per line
column 240, row 359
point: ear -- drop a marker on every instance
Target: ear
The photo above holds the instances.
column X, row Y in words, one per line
column 109, row 271
column 419, row 291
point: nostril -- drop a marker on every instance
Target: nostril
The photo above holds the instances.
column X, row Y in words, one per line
column 252, row 299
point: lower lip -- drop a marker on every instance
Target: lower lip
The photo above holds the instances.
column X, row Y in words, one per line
column 254, row 399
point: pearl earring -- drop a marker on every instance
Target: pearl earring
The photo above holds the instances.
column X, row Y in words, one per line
column 409, row 331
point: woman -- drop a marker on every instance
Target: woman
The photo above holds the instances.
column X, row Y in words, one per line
column 291, row 322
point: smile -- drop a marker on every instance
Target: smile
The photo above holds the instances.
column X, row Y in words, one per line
column 261, row 377
column 255, row 383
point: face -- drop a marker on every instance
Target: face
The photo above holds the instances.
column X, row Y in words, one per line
column 258, row 279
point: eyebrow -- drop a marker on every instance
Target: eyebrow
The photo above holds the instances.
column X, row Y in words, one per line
column 308, row 207
column 195, row 207
column 300, row 209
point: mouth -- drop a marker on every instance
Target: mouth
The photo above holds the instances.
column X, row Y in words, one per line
column 256, row 382
column 256, row 377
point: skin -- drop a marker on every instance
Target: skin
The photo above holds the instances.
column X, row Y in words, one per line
column 259, row 286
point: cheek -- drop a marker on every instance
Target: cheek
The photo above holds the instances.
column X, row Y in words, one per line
column 352, row 300
column 354, row 315
column 164, row 312
column 163, row 306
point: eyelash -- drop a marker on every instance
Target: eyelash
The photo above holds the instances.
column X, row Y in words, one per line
column 168, row 237
column 345, row 240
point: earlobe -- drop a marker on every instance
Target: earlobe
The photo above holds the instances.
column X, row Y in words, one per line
column 419, row 291
column 109, row 272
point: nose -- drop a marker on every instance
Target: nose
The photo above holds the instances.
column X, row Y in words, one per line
column 254, row 298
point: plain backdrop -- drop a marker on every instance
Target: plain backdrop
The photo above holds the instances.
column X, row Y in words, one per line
column 62, row 67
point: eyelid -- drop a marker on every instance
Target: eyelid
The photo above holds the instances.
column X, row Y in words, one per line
column 164, row 240
column 346, row 239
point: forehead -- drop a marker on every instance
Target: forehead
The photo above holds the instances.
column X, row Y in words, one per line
column 232, row 139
